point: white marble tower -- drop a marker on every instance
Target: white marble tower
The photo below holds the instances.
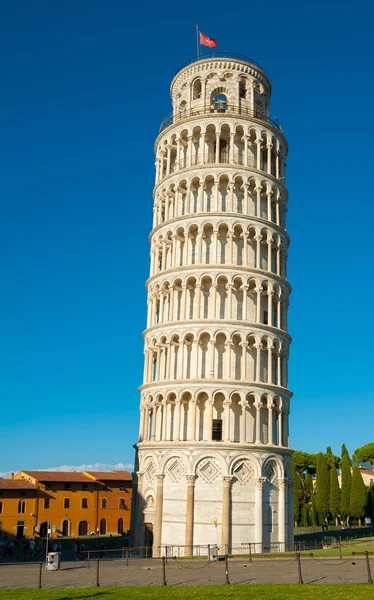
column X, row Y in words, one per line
column 213, row 462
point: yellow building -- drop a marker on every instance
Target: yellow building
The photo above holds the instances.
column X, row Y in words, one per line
column 18, row 505
column 69, row 503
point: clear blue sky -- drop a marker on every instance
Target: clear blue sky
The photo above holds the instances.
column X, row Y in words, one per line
column 85, row 85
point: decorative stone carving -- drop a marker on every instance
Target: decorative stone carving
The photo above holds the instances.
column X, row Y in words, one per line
column 175, row 469
column 243, row 471
column 208, row 470
column 150, row 469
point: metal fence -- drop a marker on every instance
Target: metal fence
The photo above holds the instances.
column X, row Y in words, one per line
column 130, row 569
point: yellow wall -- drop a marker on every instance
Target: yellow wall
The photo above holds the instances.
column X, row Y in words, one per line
column 10, row 516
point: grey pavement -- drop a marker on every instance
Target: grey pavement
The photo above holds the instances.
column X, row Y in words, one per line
column 148, row 572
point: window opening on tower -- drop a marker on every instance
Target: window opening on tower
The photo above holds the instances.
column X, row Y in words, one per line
column 217, row 430
column 219, row 103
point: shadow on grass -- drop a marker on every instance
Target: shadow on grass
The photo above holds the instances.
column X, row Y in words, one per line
column 95, row 595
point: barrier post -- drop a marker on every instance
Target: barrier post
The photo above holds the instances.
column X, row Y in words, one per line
column 368, row 567
column 40, row 574
column 164, row 571
column 340, row 548
column 127, row 558
column 98, row 573
column 227, row 568
column 299, row 568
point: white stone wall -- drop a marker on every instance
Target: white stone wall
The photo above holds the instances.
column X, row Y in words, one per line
column 213, row 457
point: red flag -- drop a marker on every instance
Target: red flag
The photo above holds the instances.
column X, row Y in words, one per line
column 206, row 41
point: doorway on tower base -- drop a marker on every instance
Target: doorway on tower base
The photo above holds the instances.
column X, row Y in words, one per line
column 148, row 537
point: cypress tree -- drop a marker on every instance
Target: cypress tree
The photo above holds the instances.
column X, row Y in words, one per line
column 309, row 486
column 314, row 511
column 296, row 499
column 358, row 503
column 334, row 493
column 346, row 486
column 322, row 486
column 344, row 450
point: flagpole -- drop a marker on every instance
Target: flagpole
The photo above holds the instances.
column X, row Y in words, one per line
column 197, row 42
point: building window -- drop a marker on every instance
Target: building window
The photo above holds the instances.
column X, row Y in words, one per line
column 67, row 486
column 122, row 488
column 83, row 527
column 47, row 502
column 1, row 508
column 84, row 486
column 122, row 503
column 84, row 502
column 65, row 528
column 102, row 527
column 120, row 526
column 217, row 430
column 66, row 502
column 103, row 503
column 21, row 507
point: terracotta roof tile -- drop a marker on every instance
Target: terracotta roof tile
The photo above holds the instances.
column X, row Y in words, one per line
column 65, row 476
column 16, row 484
column 111, row 475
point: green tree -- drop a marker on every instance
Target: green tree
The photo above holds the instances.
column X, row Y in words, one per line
column 334, row 504
column 322, row 486
column 346, row 485
column 314, row 513
column 296, row 498
column 344, row 450
column 364, row 454
column 358, row 503
column 308, row 484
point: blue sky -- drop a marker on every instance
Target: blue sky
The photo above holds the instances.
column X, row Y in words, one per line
column 84, row 88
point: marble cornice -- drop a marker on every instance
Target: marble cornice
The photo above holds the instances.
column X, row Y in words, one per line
column 236, row 326
column 236, row 217
column 230, row 385
column 188, row 270
column 222, row 168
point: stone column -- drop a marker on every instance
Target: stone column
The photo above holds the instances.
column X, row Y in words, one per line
column 211, row 359
column 270, row 423
column 209, row 420
column 164, row 421
column 232, row 144
column 258, row 424
column 243, row 423
column 192, row 421
column 190, row 514
column 197, row 301
column 258, row 361
column 258, row 162
column 259, row 485
column 258, row 304
column 157, row 531
column 269, row 147
column 202, row 145
column 141, row 426
column 246, row 151
column 270, row 363
column 139, row 525
column 225, row 535
column 177, row 420
column 226, row 420
column 282, row 535
column 258, row 239
column 218, row 135
column 243, row 370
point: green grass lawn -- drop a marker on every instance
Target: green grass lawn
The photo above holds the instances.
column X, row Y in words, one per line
column 238, row 592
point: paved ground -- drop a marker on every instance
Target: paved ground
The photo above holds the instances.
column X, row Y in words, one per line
column 149, row 572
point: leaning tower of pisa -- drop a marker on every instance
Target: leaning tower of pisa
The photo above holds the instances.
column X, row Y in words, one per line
column 213, row 459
